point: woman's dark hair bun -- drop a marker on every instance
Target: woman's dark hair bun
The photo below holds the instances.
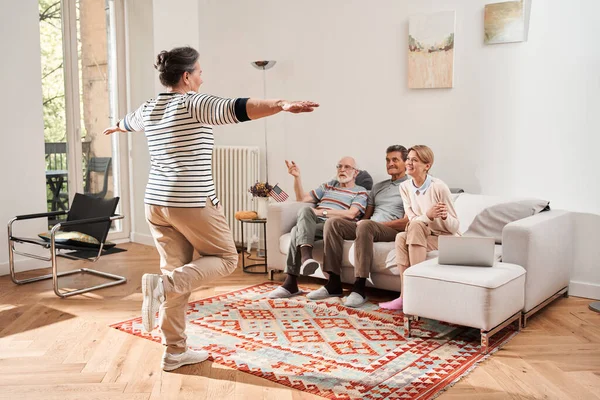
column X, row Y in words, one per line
column 172, row 64
column 161, row 61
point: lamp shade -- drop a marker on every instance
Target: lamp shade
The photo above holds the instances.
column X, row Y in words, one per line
column 263, row 64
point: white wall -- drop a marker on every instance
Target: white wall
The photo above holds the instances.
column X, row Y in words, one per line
column 22, row 154
column 141, row 75
column 518, row 122
column 585, row 277
column 147, row 36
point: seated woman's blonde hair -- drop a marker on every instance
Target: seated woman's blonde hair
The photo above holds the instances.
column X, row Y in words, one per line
column 424, row 153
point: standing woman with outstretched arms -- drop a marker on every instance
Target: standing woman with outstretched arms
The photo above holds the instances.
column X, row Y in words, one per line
column 181, row 205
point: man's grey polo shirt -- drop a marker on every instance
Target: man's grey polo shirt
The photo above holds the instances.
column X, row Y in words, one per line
column 385, row 197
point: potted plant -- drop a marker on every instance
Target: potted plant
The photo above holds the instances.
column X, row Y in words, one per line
column 260, row 193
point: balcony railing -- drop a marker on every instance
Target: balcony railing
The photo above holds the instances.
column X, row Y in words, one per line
column 56, row 155
column 57, row 185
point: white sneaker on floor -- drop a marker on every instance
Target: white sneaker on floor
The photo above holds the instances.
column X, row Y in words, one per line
column 171, row 362
column 154, row 295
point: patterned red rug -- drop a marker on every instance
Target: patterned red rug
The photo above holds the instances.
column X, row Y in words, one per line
column 327, row 349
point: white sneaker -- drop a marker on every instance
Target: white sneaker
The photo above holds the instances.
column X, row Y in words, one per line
column 154, row 295
column 173, row 361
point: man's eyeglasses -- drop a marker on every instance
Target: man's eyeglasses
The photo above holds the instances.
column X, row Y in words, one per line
column 340, row 167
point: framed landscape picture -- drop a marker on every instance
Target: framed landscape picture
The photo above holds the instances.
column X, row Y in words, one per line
column 431, row 50
column 504, row 23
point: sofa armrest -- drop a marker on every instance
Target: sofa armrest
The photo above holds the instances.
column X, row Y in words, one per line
column 543, row 245
column 281, row 218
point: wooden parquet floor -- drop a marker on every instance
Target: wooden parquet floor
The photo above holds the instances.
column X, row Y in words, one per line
column 52, row 348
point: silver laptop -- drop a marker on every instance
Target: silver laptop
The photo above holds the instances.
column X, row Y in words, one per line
column 465, row 250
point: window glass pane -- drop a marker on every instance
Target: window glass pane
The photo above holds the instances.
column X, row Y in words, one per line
column 95, row 107
column 53, row 89
column 90, row 84
column 95, row 62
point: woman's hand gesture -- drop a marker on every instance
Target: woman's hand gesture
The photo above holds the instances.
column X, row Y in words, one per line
column 297, row 107
column 111, row 130
column 440, row 210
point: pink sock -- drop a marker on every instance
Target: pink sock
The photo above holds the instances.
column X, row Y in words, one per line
column 392, row 305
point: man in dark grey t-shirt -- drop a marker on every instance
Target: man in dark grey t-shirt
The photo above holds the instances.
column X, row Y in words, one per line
column 382, row 221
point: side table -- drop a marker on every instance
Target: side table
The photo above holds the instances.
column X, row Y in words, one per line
column 247, row 268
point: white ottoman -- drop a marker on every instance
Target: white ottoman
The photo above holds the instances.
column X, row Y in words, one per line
column 485, row 298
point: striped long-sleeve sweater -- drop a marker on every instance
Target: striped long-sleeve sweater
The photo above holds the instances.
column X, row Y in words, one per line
column 180, row 141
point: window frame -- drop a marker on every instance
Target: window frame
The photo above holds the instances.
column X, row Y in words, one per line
column 118, row 99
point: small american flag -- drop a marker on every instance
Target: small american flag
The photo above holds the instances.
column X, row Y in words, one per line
column 278, row 194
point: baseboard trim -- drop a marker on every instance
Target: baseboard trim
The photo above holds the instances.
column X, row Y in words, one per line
column 141, row 238
column 584, row 289
column 23, row 265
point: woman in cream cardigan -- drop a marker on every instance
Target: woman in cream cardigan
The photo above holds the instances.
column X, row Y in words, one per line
column 428, row 206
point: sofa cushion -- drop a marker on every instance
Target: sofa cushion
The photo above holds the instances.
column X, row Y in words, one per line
column 486, row 216
column 77, row 239
column 486, row 277
column 364, row 179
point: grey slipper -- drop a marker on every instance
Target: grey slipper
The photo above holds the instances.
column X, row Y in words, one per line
column 282, row 293
column 354, row 300
column 322, row 293
column 309, row 267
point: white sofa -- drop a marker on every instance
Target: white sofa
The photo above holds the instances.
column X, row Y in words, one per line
column 541, row 243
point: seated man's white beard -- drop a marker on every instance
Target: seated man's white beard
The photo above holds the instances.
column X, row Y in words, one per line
column 344, row 179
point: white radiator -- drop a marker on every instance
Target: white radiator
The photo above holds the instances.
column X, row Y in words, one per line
column 235, row 169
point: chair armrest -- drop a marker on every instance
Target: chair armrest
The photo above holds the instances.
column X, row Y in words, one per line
column 40, row 215
column 281, row 218
column 543, row 245
column 88, row 221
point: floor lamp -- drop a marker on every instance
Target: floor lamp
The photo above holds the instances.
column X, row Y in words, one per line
column 264, row 65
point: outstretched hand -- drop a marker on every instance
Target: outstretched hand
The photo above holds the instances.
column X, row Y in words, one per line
column 297, row 107
column 111, row 130
column 292, row 168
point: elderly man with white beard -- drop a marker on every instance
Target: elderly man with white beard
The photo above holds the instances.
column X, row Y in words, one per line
column 337, row 198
